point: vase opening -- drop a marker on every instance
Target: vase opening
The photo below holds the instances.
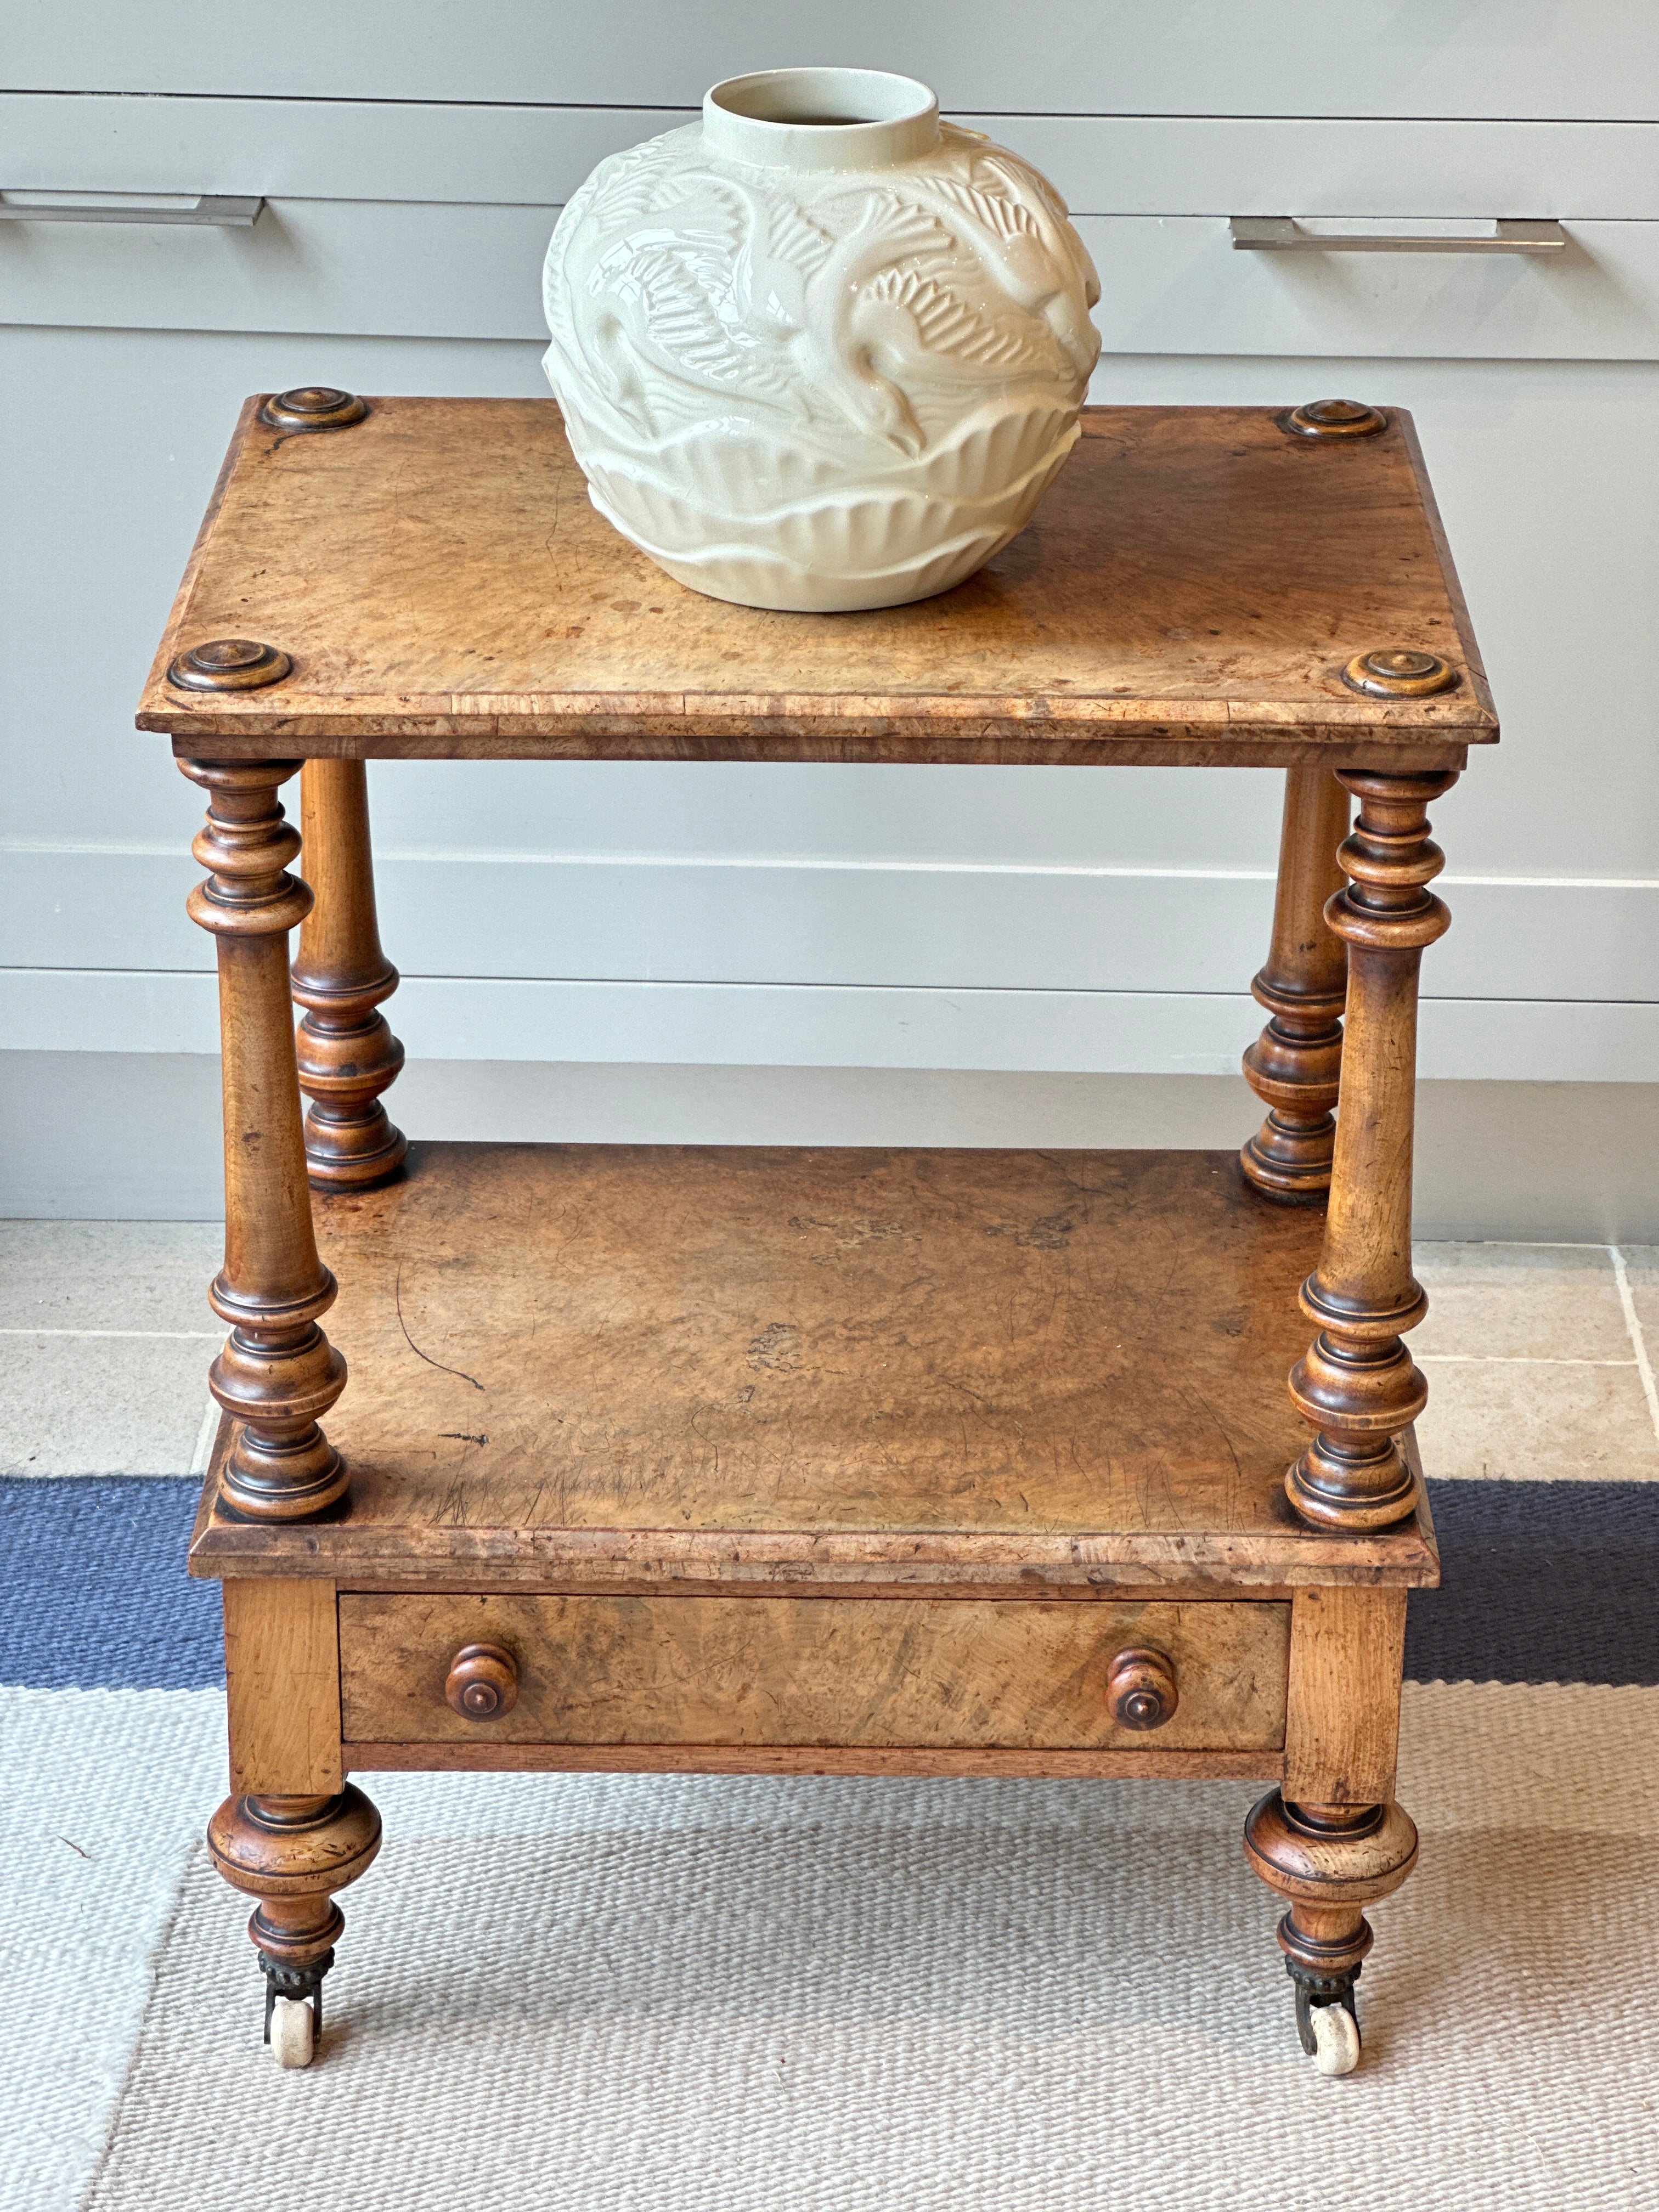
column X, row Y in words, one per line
column 820, row 119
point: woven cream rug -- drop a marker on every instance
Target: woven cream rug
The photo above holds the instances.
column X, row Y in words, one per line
column 570, row 1995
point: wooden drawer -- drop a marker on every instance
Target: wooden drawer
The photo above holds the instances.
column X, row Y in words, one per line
column 937, row 1674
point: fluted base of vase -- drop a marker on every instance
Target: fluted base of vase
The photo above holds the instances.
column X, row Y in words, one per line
column 750, row 579
column 838, row 549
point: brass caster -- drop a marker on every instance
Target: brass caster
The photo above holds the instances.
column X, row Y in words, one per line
column 1327, row 2024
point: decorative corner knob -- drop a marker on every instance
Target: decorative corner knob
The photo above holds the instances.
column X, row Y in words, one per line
column 1398, row 671
column 483, row 1682
column 1333, row 418
column 1141, row 1689
column 229, row 664
column 314, row 407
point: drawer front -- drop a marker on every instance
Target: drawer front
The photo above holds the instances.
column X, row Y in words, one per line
column 1122, row 165
column 939, row 1674
column 1169, row 284
column 432, row 220
column 1177, row 285
column 388, row 268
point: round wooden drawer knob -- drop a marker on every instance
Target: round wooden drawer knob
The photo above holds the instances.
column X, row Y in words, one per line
column 483, row 1682
column 1141, row 1689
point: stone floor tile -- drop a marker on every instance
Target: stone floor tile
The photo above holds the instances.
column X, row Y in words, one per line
column 1534, row 1421
column 1642, row 1273
column 101, row 1405
column 1521, row 1302
column 108, row 1274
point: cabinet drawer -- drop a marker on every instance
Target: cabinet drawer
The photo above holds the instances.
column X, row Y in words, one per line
column 934, row 1674
column 1176, row 285
column 1116, row 164
column 386, row 268
column 432, row 222
column 1169, row 284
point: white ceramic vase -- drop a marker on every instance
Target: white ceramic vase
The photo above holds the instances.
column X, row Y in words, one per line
column 820, row 350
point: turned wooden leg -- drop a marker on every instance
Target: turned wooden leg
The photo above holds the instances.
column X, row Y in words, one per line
column 1330, row 1861
column 347, row 1053
column 291, row 1855
column 292, row 1832
column 1332, row 1840
column 277, row 1373
column 1294, row 1065
column 1357, row 1385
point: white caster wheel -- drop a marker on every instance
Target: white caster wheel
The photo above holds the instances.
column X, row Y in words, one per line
column 293, row 2032
column 1336, row 2039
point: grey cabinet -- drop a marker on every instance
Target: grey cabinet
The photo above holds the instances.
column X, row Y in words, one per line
column 412, row 162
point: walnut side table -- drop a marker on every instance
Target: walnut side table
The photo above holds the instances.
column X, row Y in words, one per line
column 730, row 1460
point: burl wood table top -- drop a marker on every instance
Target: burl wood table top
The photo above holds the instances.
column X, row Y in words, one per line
column 1011, row 1369
column 1191, row 589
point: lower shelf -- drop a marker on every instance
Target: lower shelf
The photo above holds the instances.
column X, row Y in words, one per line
column 609, row 1366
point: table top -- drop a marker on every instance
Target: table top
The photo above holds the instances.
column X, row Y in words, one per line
column 1191, row 589
column 1015, row 1369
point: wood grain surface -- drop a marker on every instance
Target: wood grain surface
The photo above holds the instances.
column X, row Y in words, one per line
column 282, row 1688
column 571, row 1361
column 869, row 1672
column 1190, row 590
column 1347, row 1656
column 1111, row 1765
column 1295, row 1066
column 277, row 1373
column 348, row 1055
column 1356, row 1385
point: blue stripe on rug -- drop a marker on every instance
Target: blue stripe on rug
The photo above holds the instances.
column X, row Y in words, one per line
column 1544, row 1581
column 92, row 1589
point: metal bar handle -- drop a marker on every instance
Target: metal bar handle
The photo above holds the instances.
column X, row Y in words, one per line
column 1283, row 233
column 217, row 210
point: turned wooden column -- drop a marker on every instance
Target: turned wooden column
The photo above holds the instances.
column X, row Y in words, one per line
column 277, row 1373
column 1358, row 1385
column 1294, row 1065
column 347, row 1053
